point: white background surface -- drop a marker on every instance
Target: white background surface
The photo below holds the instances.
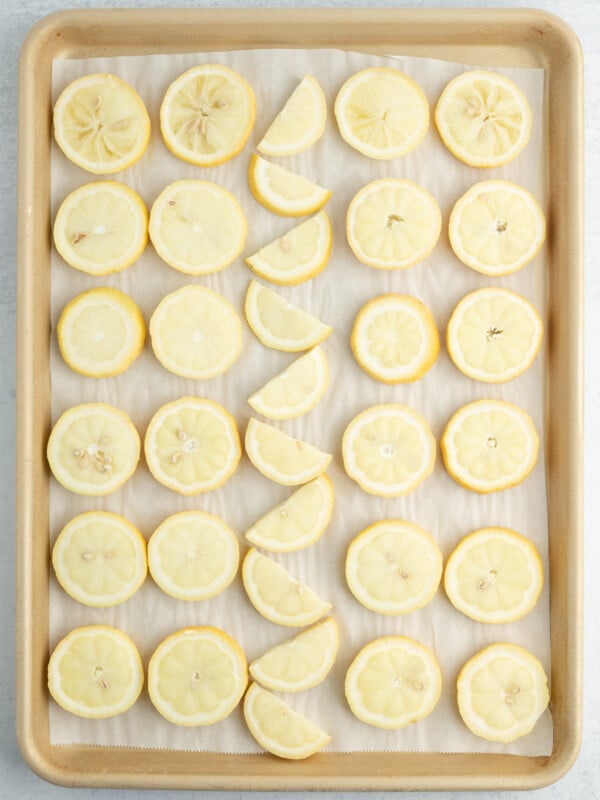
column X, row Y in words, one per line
column 15, row 19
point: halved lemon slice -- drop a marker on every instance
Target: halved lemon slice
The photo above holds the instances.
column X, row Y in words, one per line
column 196, row 333
column 207, row 115
column 490, row 445
column 192, row 445
column 93, row 449
column 101, row 124
column 393, row 224
column 96, row 672
column 388, row 450
column 299, row 124
column 282, row 191
column 382, row 113
column 197, row 227
column 502, row 692
column 197, row 676
column 393, row 682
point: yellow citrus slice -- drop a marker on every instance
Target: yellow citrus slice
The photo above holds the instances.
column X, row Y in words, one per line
column 299, row 124
column 193, row 555
column 393, row 682
column 502, row 692
column 484, row 119
column 207, row 115
column 298, row 255
column 395, row 338
column 197, row 676
column 197, row 227
column 192, row 445
column 99, row 559
column 101, row 228
column 277, row 596
column 489, row 445
column 297, row 522
column 101, row 124
column 393, row 567
column 388, row 450
column 496, row 227
column 393, row 224
column 93, row 449
column 382, row 112
column 282, row 191
column 196, row 333
column 95, row 671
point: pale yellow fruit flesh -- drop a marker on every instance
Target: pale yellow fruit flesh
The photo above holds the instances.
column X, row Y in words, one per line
column 299, row 124
column 282, row 191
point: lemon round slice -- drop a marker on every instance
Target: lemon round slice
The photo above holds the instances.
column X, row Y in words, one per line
column 393, row 682
column 496, row 227
column 382, row 113
column 281, row 325
column 93, row 449
column 196, row 333
column 393, row 224
column 297, row 522
column 193, row 555
column 298, row 255
column 494, row 575
column 101, row 124
column 502, row 692
column 393, row 567
column 197, row 227
column 100, row 559
column 95, row 672
column 388, row 450
column 277, row 596
column 489, row 445
column 484, row 119
column 101, row 228
column 282, row 191
column 395, row 338
column 207, row 115
column 299, row 124
column 197, row 676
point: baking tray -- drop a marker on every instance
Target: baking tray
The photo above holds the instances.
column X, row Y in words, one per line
column 507, row 37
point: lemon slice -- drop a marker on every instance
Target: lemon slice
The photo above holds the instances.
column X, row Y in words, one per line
column 282, row 191
column 489, row 445
column 393, row 224
column 382, row 113
column 281, row 325
column 494, row 575
column 101, row 332
column 207, row 115
column 100, row 559
column 393, row 682
column 496, row 227
column 197, row 227
column 192, row 445
column 484, row 119
column 101, row 124
column 393, row 567
column 502, row 692
column 101, row 228
column 95, row 672
column 388, row 450
column 196, row 333
column 93, row 449
column 277, row 596
column 197, row 676
column 193, row 555
column 298, row 255
column 299, row 124
column 395, row 338
column 296, row 390
column 297, row 522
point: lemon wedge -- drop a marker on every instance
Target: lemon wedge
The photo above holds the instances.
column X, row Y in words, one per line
column 299, row 124
column 282, row 191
